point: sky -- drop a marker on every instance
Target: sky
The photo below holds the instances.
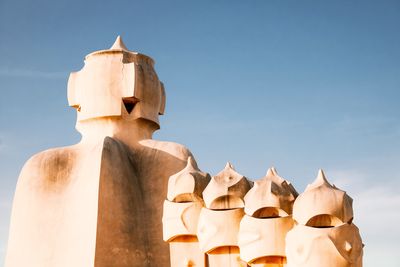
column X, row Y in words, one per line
column 299, row 85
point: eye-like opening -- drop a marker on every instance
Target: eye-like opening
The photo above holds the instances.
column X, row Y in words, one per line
column 270, row 260
column 187, row 197
column 269, row 212
column 184, row 238
column 129, row 103
column 227, row 202
column 77, row 107
column 324, row 221
column 224, row 250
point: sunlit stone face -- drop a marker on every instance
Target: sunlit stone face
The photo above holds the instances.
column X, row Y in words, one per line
column 117, row 83
column 329, row 247
column 218, row 228
column 260, row 238
column 333, row 207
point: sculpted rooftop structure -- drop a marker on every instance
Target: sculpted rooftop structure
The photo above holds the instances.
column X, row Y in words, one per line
column 100, row 202
column 120, row 198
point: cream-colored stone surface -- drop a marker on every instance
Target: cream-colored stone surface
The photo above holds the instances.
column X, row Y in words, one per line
column 279, row 262
column 113, row 76
column 339, row 246
column 185, row 252
column 271, row 196
column 188, row 184
column 226, row 190
column 218, row 228
column 322, row 204
column 220, row 220
column 112, row 199
column 268, row 206
column 325, row 235
column 263, row 238
column 180, row 219
column 225, row 256
column 99, row 203
column 181, row 214
column 54, row 215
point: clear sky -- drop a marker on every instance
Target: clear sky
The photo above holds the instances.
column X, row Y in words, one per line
column 299, row 85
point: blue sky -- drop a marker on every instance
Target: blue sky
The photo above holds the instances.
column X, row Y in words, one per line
column 299, row 85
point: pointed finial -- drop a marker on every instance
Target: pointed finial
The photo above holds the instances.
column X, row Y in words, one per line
column 271, row 172
column 119, row 44
column 190, row 166
column 321, row 177
column 226, row 185
column 319, row 181
column 229, row 166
